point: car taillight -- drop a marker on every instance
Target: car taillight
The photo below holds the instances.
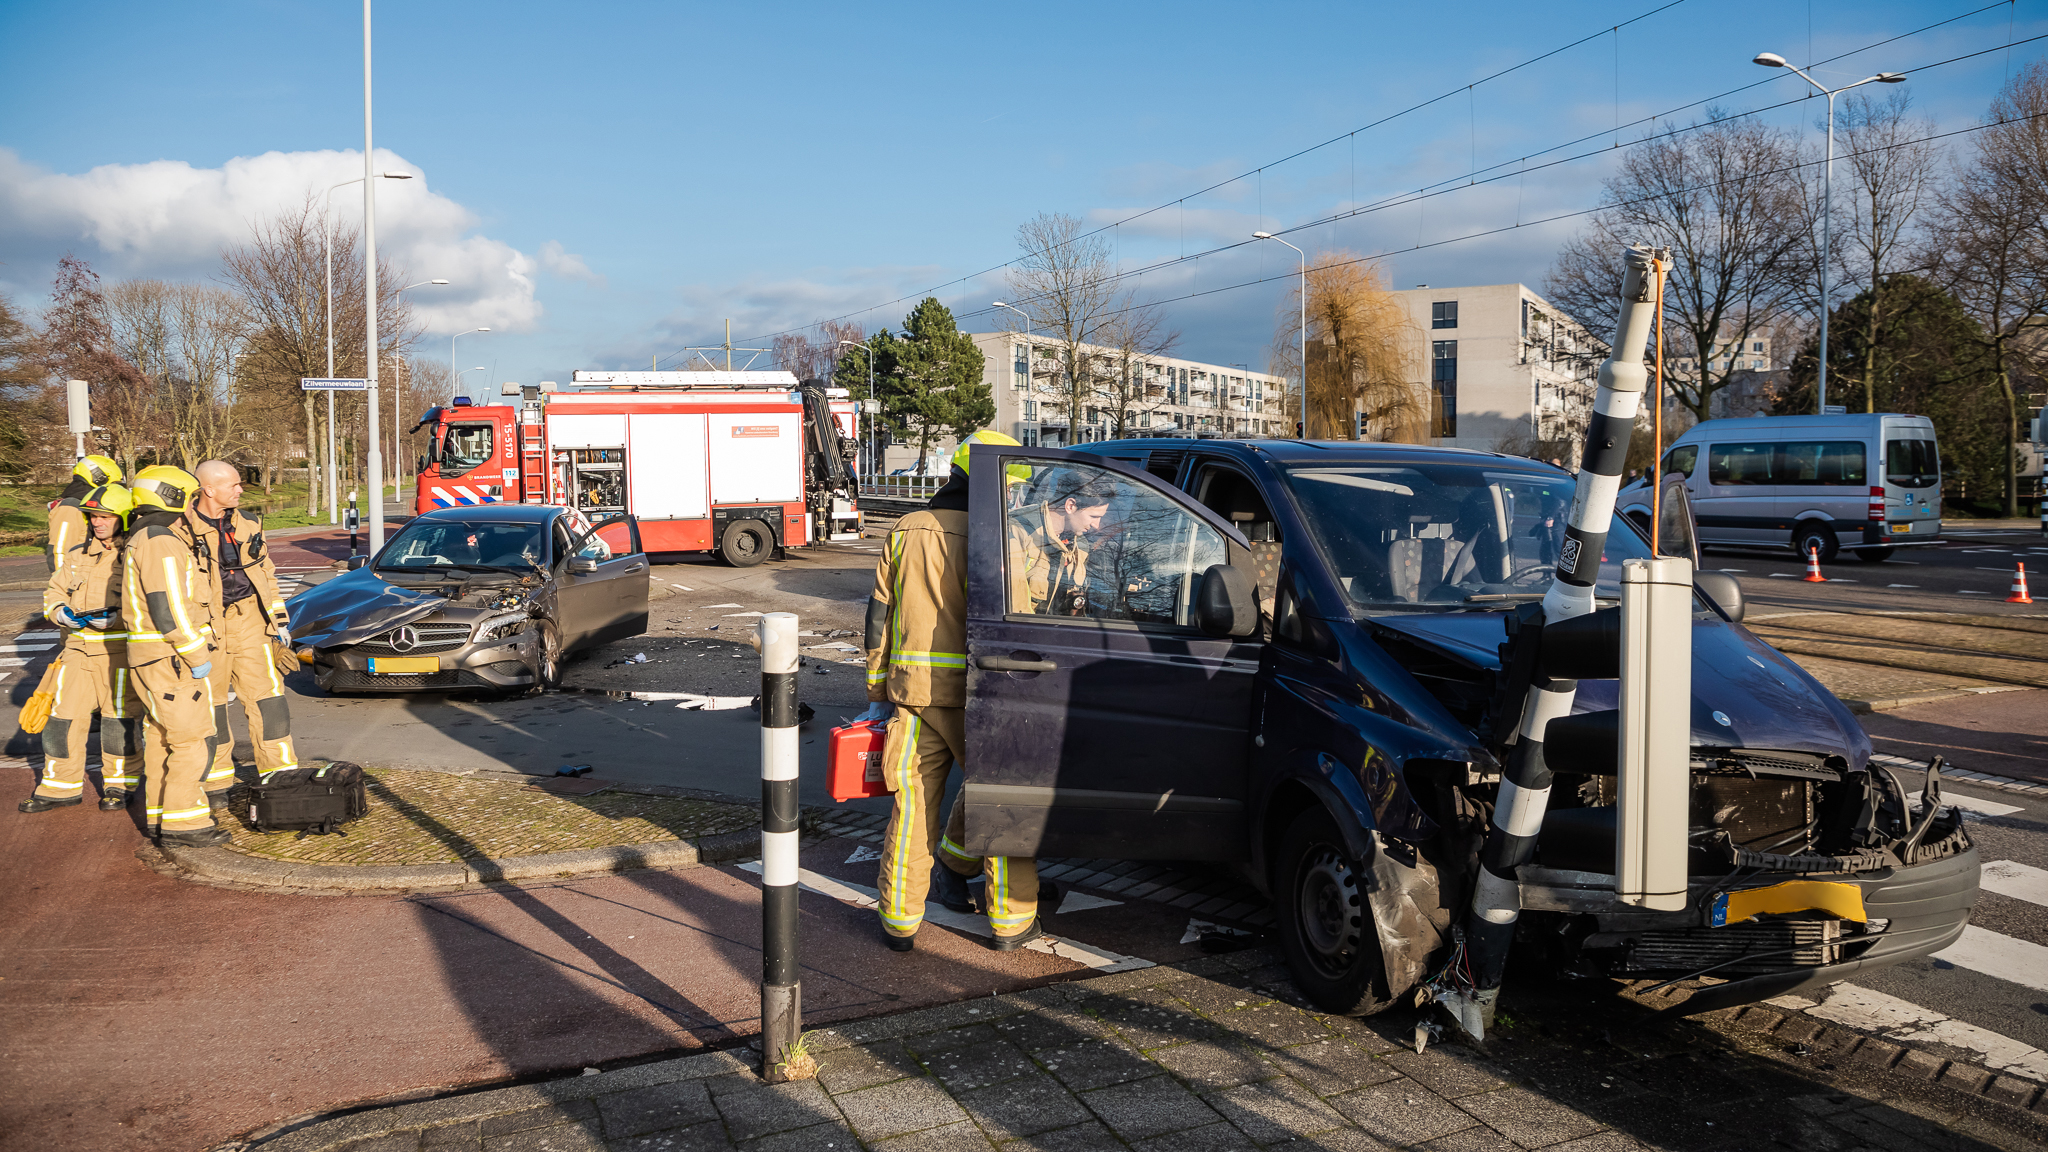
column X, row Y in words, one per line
column 1876, row 503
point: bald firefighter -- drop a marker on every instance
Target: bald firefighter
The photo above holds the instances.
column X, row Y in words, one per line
column 167, row 603
column 67, row 523
column 249, row 620
column 83, row 599
column 917, row 673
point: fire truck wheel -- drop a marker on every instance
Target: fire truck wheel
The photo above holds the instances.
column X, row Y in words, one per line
column 1326, row 924
column 745, row 543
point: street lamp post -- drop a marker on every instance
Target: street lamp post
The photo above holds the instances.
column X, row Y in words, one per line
column 451, row 352
column 1303, row 409
column 375, row 463
column 327, row 257
column 1029, row 354
column 872, row 466
column 1827, row 200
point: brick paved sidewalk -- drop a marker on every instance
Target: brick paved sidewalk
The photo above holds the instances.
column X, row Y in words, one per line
column 1200, row 1057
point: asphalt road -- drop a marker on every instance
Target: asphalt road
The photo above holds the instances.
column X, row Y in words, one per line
column 1971, row 571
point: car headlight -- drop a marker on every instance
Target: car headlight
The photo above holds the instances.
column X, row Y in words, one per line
column 502, row 626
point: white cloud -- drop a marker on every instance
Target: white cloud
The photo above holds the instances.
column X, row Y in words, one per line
column 567, row 265
column 168, row 219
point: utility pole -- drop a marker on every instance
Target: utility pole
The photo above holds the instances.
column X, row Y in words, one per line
column 375, row 469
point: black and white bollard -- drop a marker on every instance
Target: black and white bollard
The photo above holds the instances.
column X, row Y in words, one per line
column 781, row 987
column 1525, row 785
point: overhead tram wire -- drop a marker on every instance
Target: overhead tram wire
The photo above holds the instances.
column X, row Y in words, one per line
column 1560, row 216
column 1410, row 198
column 1454, row 184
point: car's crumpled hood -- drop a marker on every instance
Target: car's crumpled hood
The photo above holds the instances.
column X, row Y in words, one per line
column 353, row 607
column 357, row 605
column 1769, row 701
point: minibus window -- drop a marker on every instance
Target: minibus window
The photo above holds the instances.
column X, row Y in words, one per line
column 1911, row 463
column 1823, row 462
column 1740, row 463
column 1682, row 459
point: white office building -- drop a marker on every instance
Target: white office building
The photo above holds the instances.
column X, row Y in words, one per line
column 1502, row 366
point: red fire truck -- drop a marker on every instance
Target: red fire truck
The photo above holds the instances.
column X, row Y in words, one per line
column 740, row 463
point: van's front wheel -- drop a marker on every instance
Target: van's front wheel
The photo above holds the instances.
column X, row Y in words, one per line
column 1811, row 537
column 1326, row 926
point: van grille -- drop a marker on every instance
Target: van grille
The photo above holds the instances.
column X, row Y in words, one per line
column 1770, row 947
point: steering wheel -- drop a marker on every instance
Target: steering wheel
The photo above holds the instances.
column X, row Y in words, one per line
column 1527, row 569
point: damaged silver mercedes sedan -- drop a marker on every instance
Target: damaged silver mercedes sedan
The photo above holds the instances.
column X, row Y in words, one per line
column 490, row 597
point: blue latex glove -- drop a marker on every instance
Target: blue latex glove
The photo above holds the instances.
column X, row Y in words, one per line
column 284, row 635
column 63, row 617
column 878, row 712
column 202, row 670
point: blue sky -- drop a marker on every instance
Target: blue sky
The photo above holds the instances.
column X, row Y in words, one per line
column 605, row 182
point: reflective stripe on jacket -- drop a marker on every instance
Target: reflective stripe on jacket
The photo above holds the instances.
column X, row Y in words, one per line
column 166, row 599
column 68, row 529
column 922, row 578
column 88, row 580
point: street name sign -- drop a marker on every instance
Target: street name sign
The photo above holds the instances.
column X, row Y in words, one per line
column 316, row 384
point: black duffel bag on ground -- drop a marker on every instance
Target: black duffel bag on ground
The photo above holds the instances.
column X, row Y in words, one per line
column 318, row 799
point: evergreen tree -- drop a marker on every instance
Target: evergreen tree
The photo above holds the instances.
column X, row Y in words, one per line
column 930, row 380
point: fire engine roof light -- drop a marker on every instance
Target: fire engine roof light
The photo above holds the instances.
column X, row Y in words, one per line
column 459, row 402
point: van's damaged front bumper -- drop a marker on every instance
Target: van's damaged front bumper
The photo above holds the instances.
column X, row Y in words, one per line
column 1908, row 911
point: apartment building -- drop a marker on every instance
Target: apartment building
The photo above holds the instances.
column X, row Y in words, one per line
column 1501, row 364
column 1154, row 395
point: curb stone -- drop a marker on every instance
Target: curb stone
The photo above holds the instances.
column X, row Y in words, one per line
column 223, row 866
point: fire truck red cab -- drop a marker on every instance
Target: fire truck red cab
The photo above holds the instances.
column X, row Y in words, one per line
column 744, row 464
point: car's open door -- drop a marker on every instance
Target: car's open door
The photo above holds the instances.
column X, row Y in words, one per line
column 602, row 584
column 1101, row 720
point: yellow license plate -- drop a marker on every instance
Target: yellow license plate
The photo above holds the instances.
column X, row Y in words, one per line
column 404, row 665
column 1902, row 527
column 1843, row 901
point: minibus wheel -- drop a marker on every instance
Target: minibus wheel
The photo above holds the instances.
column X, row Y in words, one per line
column 1816, row 536
column 1326, row 925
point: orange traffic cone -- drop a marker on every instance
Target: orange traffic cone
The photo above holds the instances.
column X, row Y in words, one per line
column 2019, row 587
column 1813, row 575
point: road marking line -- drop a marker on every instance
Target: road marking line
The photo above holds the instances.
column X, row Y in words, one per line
column 12, row 648
column 2014, row 961
column 37, row 636
column 2017, row 880
column 1898, row 1019
column 1968, row 592
column 1902, row 585
column 12, row 662
column 1972, row 804
column 861, row 896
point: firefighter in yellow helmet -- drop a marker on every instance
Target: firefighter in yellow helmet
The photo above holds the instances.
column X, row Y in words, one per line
column 67, row 523
column 917, row 673
column 249, row 619
column 83, row 599
column 169, row 590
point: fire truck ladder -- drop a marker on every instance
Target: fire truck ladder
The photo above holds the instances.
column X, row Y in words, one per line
column 533, row 463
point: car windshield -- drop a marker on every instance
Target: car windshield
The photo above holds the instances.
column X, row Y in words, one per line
column 1432, row 537
column 454, row 544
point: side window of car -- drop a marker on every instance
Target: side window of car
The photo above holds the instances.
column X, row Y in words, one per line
column 1088, row 543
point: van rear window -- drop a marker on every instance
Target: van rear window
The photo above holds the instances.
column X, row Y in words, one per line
column 1800, row 462
column 1912, row 463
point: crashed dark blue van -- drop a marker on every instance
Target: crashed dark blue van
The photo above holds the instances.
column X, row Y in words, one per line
column 1288, row 656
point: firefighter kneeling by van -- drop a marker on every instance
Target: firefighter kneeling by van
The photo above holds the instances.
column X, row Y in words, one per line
column 83, row 599
column 917, row 671
column 167, row 605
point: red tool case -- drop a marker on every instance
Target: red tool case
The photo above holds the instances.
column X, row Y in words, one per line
column 854, row 761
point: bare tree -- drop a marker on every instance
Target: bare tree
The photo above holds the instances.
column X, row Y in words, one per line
column 1125, row 344
column 281, row 279
column 1988, row 245
column 1363, row 354
column 28, row 411
column 77, row 343
column 1895, row 173
column 1064, row 283
column 181, row 338
column 1721, row 197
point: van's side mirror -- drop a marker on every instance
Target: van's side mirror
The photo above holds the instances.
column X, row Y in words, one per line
column 1227, row 604
column 1724, row 590
column 355, row 562
column 421, row 466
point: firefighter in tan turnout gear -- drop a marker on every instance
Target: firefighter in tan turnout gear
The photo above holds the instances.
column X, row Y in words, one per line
column 67, row 522
column 83, row 599
column 917, row 672
column 249, row 619
column 167, row 604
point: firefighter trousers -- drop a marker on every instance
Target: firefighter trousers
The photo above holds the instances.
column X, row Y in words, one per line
column 922, row 745
column 251, row 671
column 89, row 682
column 180, row 738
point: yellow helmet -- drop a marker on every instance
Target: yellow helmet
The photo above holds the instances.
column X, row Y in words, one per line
column 110, row 498
column 988, row 436
column 97, row 471
column 163, row 486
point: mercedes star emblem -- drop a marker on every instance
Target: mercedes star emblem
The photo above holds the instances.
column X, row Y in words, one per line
column 404, row 639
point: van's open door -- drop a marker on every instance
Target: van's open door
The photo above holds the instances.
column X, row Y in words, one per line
column 1101, row 720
